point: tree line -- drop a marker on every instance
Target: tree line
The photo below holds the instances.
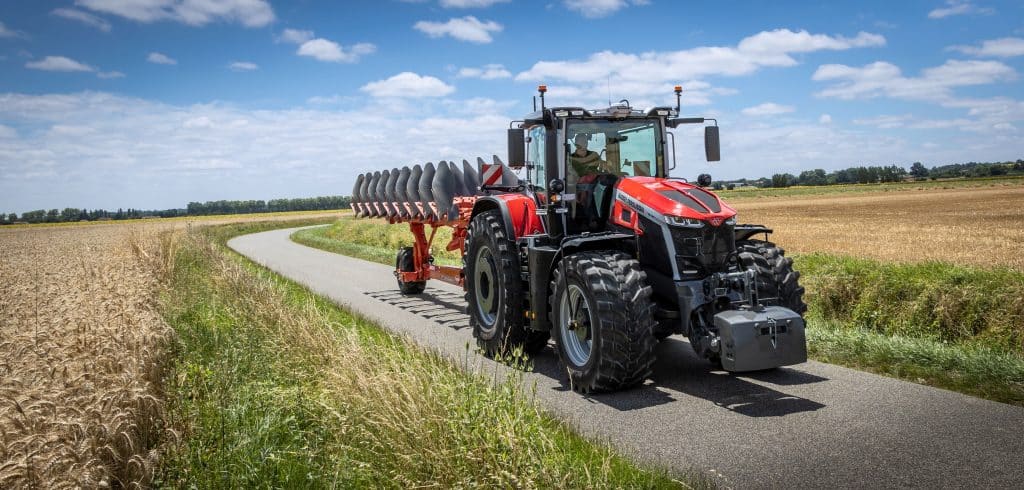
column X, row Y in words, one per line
column 880, row 174
column 67, row 215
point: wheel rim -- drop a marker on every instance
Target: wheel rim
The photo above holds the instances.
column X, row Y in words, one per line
column 575, row 325
column 486, row 287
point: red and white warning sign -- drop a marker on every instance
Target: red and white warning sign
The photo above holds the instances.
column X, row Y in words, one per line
column 490, row 174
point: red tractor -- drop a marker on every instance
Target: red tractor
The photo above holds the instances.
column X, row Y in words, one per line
column 597, row 247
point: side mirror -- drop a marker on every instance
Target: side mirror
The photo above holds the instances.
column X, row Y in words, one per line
column 704, row 180
column 516, row 148
column 673, row 123
column 711, row 146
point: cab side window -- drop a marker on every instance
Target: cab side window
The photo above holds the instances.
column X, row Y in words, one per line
column 536, row 156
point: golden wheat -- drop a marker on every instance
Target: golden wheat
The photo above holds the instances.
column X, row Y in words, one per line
column 83, row 349
column 81, row 352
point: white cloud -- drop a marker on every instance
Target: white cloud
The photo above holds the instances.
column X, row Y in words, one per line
column 7, row 32
column 463, row 4
column 958, row 7
column 6, row 132
column 408, row 84
column 250, row 13
column 825, row 119
column 467, row 28
column 110, row 74
column 656, row 72
column 885, row 121
column 593, row 9
column 295, row 36
column 767, row 109
column 765, row 49
column 83, row 17
column 242, row 66
column 1006, row 47
column 486, row 72
column 161, row 59
column 326, row 50
column 781, row 42
column 880, row 79
column 58, row 63
column 133, row 152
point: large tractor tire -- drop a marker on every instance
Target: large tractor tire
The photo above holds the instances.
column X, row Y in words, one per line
column 494, row 290
column 777, row 283
column 603, row 320
column 405, row 262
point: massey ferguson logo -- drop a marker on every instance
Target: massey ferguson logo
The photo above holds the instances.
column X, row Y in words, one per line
column 715, row 221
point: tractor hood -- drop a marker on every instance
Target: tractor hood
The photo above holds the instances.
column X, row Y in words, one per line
column 666, row 197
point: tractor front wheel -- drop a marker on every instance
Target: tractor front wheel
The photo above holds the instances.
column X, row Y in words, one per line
column 777, row 283
column 494, row 291
column 603, row 319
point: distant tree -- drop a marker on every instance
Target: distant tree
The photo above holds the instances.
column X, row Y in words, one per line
column 53, row 216
column 1019, row 165
column 12, row 217
column 70, row 214
column 996, row 170
column 918, row 170
column 782, row 180
column 813, row 177
column 730, row 186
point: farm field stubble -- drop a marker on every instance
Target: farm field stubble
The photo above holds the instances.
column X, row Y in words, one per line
column 965, row 226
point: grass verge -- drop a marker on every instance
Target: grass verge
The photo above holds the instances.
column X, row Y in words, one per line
column 274, row 386
column 953, row 327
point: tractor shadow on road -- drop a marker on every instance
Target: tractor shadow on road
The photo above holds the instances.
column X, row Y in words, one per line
column 677, row 372
column 442, row 307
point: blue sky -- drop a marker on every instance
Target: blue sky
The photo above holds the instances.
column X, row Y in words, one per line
column 155, row 103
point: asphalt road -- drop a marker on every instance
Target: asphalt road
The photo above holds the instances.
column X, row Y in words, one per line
column 810, row 426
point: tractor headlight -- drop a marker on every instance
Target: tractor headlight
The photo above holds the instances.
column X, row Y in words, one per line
column 684, row 222
column 731, row 221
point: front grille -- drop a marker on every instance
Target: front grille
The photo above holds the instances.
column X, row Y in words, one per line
column 705, row 249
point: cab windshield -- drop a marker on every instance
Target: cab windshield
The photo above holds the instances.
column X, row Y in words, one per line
column 624, row 147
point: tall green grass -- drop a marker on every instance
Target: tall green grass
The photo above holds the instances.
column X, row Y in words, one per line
column 375, row 240
column 954, row 327
column 934, row 300
column 275, row 386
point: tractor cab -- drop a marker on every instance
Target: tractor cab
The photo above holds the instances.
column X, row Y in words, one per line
column 575, row 157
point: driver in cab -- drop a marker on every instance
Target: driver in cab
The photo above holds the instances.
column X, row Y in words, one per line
column 583, row 179
column 584, row 161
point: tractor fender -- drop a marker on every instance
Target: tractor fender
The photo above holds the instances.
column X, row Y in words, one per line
column 744, row 232
column 596, row 241
column 518, row 212
column 545, row 259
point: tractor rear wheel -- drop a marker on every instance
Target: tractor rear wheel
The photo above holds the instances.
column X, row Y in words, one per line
column 405, row 262
column 777, row 283
column 603, row 319
column 494, row 290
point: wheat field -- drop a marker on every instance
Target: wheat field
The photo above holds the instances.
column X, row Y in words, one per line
column 83, row 349
column 965, row 226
